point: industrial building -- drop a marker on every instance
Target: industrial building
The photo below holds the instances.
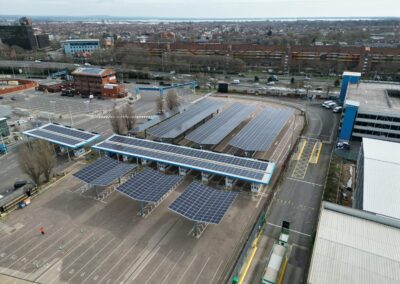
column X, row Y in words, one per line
column 22, row 35
column 353, row 246
column 371, row 110
column 377, row 186
column 75, row 47
column 97, row 82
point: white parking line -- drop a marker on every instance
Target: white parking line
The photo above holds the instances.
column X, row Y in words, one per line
column 201, row 271
column 115, row 264
column 216, row 271
column 104, row 260
column 187, row 268
column 93, row 257
column 294, row 231
column 45, row 261
column 21, row 236
column 158, row 266
column 173, row 267
column 84, row 240
column 303, row 181
column 34, row 247
column 82, row 253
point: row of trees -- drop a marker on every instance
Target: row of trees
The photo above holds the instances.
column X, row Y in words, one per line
column 171, row 102
column 122, row 120
column 37, row 159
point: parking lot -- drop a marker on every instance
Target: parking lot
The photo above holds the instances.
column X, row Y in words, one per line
column 87, row 241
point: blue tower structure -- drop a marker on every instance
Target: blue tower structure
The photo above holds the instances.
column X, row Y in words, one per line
column 348, row 120
column 348, row 78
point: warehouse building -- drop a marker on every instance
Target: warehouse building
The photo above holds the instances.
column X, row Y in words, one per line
column 97, row 82
column 371, row 110
column 74, row 47
column 377, row 183
column 353, row 246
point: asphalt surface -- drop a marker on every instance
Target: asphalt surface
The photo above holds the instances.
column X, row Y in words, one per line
column 298, row 200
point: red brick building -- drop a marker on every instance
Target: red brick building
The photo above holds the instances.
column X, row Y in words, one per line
column 89, row 81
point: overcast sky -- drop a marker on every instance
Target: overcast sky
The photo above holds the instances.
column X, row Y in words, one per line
column 204, row 8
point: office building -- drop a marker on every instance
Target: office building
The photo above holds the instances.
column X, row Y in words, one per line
column 75, row 47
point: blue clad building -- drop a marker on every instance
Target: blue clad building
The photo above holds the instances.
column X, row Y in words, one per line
column 348, row 78
column 74, row 46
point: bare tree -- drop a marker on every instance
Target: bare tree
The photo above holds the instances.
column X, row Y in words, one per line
column 28, row 162
column 116, row 121
column 128, row 117
column 36, row 158
column 160, row 104
column 172, row 100
column 45, row 158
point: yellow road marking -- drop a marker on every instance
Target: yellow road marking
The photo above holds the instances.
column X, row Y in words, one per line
column 282, row 273
column 316, row 152
column 312, row 153
column 301, row 150
column 250, row 259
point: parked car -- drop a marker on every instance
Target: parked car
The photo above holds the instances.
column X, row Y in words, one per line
column 337, row 109
column 236, row 82
column 327, row 104
column 343, row 145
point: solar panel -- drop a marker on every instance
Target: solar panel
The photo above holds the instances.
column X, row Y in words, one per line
column 178, row 124
column 215, row 163
column 203, row 204
column 261, row 132
column 217, row 128
column 68, row 131
column 148, row 185
column 103, row 171
column 53, row 137
column 62, row 135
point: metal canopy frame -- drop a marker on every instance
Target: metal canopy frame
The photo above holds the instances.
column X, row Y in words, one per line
column 247, row 169
column 62, row 135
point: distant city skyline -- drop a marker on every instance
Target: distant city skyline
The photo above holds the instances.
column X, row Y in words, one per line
column 203, row 9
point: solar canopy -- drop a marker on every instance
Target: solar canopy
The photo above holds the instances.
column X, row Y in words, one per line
column 206, row 161
column 62, row 135
column 103, row 171
column 149, row 185
column 203, row 204
column 180, row 123
column 261, row 132
column 217, row 128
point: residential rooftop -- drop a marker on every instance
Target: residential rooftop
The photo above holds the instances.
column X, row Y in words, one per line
column 373, row 98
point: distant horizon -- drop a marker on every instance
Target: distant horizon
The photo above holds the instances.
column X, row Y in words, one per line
column 205, row 9
column 97, row 17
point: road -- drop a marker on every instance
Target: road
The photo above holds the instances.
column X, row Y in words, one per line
column 297, row 199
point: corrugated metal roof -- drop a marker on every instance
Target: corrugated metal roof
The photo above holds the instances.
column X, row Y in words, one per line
column 381, row 193
column 351, row 249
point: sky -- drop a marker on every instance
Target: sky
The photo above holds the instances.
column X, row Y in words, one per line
column 203, row 8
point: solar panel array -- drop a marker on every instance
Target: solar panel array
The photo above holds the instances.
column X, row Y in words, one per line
column 68, row 131
column 217, row 128
column 203, row 204
column 66, row 136
column 216, row 163
column 261, row 132
column 148, row 185
column 178, row 124
column 103, row 171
